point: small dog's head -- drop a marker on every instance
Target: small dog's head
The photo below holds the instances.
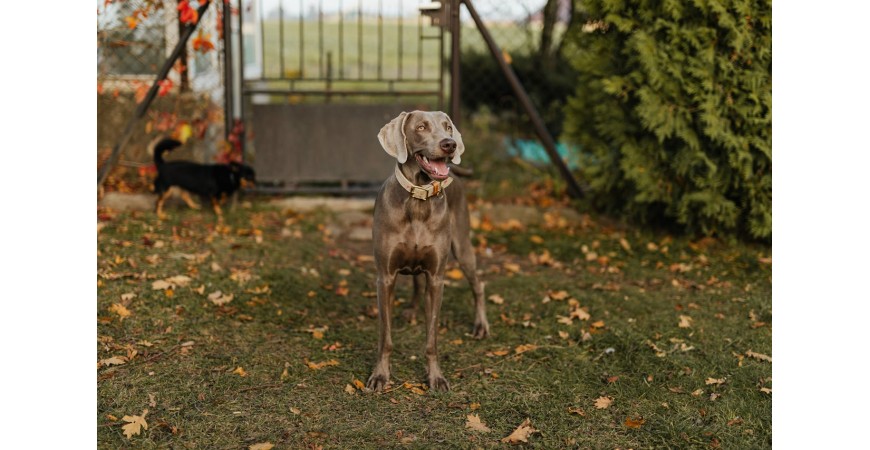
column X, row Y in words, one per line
column 430, row 137
column 246, row 174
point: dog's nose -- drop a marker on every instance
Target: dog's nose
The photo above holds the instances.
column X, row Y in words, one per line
column 448, row 145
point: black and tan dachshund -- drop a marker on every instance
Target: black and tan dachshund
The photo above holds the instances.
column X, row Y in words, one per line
column 212, row 181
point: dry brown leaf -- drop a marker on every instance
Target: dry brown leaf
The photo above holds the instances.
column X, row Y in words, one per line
column 474, row 406
column 759, row 356
column 536, row 239
column 219, row 298
column 498, row 353
column 578, row 411
column 113, row 361
column 135, row 424
column 473, row 421
column 497, row 299
column 160, row 285
column 179, row 280
column 625, row 245
column 598, row 324
column 716, row 381
column 557, row 295
column 564, row 334
column 581, row 314
column 634, row 422
column 128, row 296
column 767, row 391
column 349, row 389
column 320, row 365
column 262, row 446
column 120, row 310
column 685, row 321
column 521, row 434
column 511, row 267
column 525, row 348
column 295, row 410
column 603, row 402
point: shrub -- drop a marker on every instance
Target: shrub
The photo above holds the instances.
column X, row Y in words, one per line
column 673, row 104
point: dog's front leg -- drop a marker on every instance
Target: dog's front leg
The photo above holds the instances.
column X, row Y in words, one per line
column 381, row 373
column 434, row 292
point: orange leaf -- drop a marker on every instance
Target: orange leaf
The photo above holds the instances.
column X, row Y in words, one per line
column 454, row 274
column 165, row 86
column 202, row 42
column 131, row 22
column 634, row 422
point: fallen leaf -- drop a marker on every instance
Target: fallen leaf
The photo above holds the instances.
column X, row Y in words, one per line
column 697, row 392
column 598, row 324
column 557, row 295
column 603, row 402
column 474, row 406
column 521, row 434
column 497, row 299
column 179, row 280
column 578, row 411
column 634, row 422
column 685, row 321
column 262, row 446
column 767, row 391
column 135, row 424
column 120, row 310
column 473, row 421
column 564, row 334
column 536, row 239
column 128, row 296
column 511, row 267
column 240, row 372
column 625, row 245
column 359, row 384
column 454, row 274
column 295, row 410
column 759, row 356
column 716, row 381
column 320, row 365
column 219, row 299
column 349, row 389
column 525, row 348
column 113, row 361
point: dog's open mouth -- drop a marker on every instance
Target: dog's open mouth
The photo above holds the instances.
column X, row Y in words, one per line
column 435, row 168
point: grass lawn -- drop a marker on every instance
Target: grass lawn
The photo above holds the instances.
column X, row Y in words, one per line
column 656, row 342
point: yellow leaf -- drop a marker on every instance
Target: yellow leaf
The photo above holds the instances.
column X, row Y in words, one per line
column 598, row 324
column 525, row 348
column 135, row 424
column 359, row 384
column 759, row 356
column 262, row 446
column 320, row 365
column 558, row 295
column 603, row 402
column 240, row 371
column 474, row 406
column 219, row 298
column 521, row 434
column 536, row 239
column 511, row 267
column 454, row 274
column 456, row 342
column 716, row 381
column 120, row 310
column 349, row 389
column 473, row 421
column 183, row 132
column 634, row 422
column 685, row 321
column 497, row 299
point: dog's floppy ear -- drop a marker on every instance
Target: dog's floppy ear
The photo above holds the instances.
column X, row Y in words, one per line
column 460, row 147
column 392, row 138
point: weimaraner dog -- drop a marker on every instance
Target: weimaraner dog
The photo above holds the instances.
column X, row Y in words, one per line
column 420, row 217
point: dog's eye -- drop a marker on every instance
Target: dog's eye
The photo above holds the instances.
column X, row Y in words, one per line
column 421, row 127
column 449, row 128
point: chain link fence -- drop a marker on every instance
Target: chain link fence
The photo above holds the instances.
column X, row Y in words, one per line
column 134, row 39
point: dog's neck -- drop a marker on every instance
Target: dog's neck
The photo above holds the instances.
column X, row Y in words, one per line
column 413, row 173
column 419, row 184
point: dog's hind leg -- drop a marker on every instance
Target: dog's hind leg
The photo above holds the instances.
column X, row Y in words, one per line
column 190, row 202
column 410, row 313
column 464, row 253
column 161, row 198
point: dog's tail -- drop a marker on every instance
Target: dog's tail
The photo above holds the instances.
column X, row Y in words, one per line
column 160, row 145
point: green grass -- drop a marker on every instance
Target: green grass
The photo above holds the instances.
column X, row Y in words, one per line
column 638, row 295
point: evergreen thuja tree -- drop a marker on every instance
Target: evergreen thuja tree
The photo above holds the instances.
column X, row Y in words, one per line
column 673, row 109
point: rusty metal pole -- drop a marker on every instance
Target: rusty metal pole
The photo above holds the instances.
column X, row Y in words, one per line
column 149, row 97
column 543, row 134
column 455, row 73
column 229, row 87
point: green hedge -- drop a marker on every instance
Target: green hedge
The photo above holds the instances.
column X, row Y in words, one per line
column 673, row 105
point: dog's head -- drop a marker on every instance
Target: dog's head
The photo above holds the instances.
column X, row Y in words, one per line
column 246, row 173
column 430, row 138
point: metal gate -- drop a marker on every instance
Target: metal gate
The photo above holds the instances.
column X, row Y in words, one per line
column 320, row 77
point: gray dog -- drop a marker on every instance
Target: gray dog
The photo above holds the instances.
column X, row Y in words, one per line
column 421, row 216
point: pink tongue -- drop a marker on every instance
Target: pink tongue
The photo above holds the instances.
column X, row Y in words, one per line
column 440, row 167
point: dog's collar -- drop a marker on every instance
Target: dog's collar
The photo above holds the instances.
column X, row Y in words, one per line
column 425, row 192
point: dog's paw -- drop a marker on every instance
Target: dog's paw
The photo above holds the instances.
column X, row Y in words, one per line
column 481, row 330
column 377, row 382
column 438, row 383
